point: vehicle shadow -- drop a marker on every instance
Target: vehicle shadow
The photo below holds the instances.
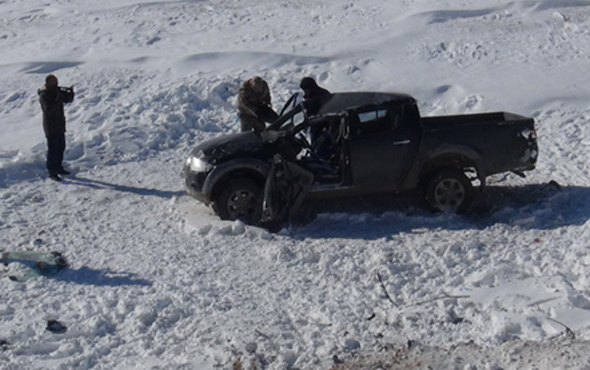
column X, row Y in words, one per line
column 97, row 184
column 87, row 276
column 530, row 207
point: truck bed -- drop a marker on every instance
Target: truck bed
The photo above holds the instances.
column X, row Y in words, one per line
column 503, row 118
column 504, row 149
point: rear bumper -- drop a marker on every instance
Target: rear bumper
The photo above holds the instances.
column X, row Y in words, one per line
column 529, row 158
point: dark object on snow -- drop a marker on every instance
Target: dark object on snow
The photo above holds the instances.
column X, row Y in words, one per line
column 251, row 347
column 4, row 344
column 56, row 327
column 378, row 144
column 337, row 361
column 36, row 263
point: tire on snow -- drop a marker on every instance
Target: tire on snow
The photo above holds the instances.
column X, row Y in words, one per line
column 240, row 199
column 449, row 191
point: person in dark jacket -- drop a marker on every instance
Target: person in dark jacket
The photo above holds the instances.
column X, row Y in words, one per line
column 311, row 89
column 254, row 105
column 52, row 98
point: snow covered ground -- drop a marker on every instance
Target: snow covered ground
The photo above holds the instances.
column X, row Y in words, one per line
column 156, row 280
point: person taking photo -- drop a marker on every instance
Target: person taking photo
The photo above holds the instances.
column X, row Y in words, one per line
column 52, row 98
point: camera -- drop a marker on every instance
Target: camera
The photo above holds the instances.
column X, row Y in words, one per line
column 68, row 90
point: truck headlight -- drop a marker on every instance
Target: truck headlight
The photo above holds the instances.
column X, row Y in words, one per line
column 197, row 164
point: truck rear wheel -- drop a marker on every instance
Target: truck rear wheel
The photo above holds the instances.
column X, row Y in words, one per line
column 240, row 199
column 449, row 191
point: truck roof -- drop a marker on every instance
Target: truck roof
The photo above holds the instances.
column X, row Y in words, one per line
column 338, row 102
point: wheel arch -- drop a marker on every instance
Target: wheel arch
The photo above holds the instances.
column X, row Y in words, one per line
column 455, row 158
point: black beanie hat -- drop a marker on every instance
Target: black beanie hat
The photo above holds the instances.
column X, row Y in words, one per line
column 308, row 83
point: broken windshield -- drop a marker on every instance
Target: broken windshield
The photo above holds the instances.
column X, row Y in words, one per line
column 289, row 119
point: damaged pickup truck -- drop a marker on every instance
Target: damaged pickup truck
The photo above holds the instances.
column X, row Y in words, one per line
column 355, row 144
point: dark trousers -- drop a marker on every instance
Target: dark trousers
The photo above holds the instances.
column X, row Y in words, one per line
column 56, row 145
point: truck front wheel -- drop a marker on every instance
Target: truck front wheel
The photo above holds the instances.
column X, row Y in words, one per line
column 240, row 199
column 449, row 191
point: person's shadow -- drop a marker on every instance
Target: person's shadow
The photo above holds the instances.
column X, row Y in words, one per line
column 97, row 184
column 87, row 276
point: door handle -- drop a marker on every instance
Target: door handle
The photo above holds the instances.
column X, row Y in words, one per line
column 402, row 142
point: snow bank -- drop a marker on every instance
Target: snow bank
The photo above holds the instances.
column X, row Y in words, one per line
column 156, row 280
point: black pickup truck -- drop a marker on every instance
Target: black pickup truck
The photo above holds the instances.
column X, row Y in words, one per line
column 362, row 143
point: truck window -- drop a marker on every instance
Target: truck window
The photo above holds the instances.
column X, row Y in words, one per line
column 372, row 116
column 376, row 120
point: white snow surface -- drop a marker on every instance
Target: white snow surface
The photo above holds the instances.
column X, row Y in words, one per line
column 157, row 281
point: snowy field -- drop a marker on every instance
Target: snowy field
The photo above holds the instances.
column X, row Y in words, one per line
column 157, row 281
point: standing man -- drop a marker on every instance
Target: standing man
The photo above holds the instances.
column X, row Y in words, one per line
column 52, row 98
column 311, row 90
column 254, row 105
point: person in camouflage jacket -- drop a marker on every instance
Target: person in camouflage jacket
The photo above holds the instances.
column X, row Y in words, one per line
column 254, row 105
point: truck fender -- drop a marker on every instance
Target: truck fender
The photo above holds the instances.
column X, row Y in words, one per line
column 448, row 155
column 257, row 169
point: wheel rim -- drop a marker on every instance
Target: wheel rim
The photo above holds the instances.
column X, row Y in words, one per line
column 242, row 205
column 449, row 195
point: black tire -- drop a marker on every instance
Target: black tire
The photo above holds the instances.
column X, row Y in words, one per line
column 449, row 191
column 240, row 199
